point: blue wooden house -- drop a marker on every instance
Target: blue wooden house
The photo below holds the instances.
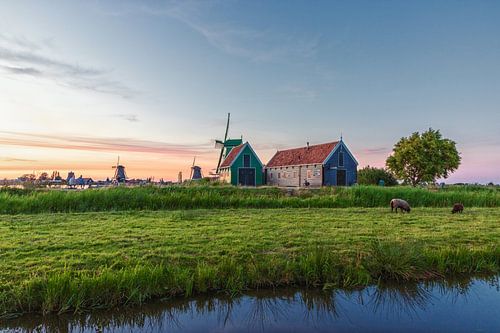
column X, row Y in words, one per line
column 327, row 164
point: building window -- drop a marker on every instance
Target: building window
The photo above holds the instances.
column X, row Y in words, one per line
column 341, row 159
column 309, row 173
column 271, row 175
column 279, row 175
column 246, row 161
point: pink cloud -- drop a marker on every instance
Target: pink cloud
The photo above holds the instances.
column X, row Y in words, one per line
column 102, row 144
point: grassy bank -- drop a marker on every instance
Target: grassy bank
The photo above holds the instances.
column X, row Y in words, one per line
column 209, row 197
column 63, row 262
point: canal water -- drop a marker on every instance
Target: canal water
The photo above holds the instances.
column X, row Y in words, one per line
column 471, row 305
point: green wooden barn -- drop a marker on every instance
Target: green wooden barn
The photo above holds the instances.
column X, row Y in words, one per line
column 242, row 166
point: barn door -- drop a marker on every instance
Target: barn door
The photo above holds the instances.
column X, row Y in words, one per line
column 246, row 176
column 341, row 178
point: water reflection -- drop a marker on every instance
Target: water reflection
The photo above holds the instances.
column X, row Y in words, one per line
column 381, row 308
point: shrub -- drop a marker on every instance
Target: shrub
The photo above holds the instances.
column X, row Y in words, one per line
column 372, row 176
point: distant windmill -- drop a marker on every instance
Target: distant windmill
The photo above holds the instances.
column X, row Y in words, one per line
column 120, row 175
column 195, row 171
column 71, row 180
column 226, row 145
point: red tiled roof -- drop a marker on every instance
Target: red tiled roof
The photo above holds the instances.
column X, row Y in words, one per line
column 232, row 155
column 313, row 155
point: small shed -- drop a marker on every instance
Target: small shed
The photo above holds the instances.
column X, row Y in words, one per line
column 242, row 167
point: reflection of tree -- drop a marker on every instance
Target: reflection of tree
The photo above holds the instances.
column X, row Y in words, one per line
column 257, row 310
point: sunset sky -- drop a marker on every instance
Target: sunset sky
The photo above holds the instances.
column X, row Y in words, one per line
column 83, row 82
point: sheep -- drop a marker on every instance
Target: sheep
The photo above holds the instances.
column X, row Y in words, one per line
column 401, row 204
column 457, row 208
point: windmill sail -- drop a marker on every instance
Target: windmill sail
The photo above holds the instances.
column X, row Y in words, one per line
column 223, row 143
column 192, row 168
column 226, row 145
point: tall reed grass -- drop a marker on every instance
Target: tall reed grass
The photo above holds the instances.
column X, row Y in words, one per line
column 108, row 288
column 179, row 197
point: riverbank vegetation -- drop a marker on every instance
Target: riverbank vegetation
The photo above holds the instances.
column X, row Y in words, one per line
column 84, row 261
column 18, row 201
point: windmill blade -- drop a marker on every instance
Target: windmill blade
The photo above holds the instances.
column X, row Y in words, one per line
column 192, row 168
column 225, row 138
column 219, row 144
column 220, row 160
column 227, row 126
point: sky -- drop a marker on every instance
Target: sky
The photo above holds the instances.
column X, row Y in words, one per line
column 82, row 83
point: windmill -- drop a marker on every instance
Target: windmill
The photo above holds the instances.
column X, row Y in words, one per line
column 226, row 145
column 195, row 171
column 120, row 175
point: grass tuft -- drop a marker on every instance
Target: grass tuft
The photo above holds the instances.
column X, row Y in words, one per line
column 319, row 268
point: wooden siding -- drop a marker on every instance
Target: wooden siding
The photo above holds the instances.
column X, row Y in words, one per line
column 295, row 176
column 332, row 165
column 238, row 163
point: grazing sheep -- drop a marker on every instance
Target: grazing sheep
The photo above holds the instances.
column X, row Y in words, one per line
column 457, row 208
column 401, row 204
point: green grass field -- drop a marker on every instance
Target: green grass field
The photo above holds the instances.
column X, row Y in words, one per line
column 79, row 261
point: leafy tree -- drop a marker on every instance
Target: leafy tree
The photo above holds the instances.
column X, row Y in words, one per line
column 423, row 157
column 372, row 176
column 56, row 175
column 27, row 177
column 43, row 176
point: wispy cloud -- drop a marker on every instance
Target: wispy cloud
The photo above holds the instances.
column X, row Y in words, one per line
column 19, row 56
column 13, row 159
column 22, row 70
column 118, row 144
column 127, row 116
column 19, row 41
column 258, row 45
column 376, row 150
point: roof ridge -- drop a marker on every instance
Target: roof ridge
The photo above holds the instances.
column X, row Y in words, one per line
column 315, row 145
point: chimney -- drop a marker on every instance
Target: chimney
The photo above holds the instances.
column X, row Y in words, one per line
column 307, row 145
